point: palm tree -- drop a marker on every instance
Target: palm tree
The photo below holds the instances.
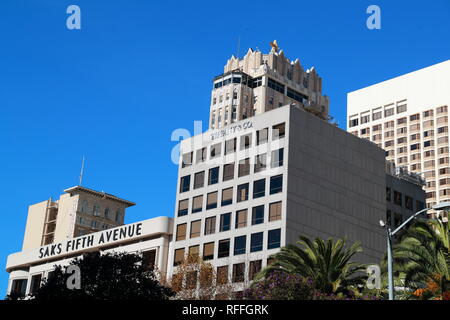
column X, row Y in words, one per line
column 422, row 256
column 326, row 263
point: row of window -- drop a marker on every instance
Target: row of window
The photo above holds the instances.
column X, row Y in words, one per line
column 228, row 171
column 278, row 131
column 96, row 211
column 255, row 244
column 242, row 194
column 398, row 200
column 225, row 221
column 389, row 111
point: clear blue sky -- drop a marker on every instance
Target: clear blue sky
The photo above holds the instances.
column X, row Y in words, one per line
column 116, row 89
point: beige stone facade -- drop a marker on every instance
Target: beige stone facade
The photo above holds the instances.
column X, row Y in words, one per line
column 79, row 211
column 261, row 82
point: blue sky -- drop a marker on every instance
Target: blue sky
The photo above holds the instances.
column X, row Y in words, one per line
column 116, row 89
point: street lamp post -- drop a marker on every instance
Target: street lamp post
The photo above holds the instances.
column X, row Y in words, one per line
column 390, row 235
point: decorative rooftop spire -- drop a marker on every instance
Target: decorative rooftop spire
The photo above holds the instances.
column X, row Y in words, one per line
column 274, row 46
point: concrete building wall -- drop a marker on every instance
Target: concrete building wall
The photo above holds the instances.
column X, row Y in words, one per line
column 336, row 185
column 35, row 225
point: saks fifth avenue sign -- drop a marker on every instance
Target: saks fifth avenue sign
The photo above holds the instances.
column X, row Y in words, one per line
column 233, row 129
column 91, row 240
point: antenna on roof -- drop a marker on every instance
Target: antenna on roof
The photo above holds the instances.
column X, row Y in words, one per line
column 82, row 172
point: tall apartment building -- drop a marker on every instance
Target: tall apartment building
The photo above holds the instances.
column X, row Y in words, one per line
column 408, row 117
column 261, row 82
column 79, row 211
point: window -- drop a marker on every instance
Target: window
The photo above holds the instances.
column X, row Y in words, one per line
column 149, row 259
column 365, row 131
column 96, row 210
column 276, row 184
column 19, row 287
column 199, row 179
column 222, row 275
column 441, row 109
column 254, row 268
column 197, row 204
column 260, row 162
column 278, row 131
column 185, row 183
column 211, row 200
column 353, row 123
column 241, row 219
column 227, row 196
column 118, row 216
column 238, row 272
column 194, row 251
column 84, row 206
column 107, row 213
column 242, row 192
column 388, row 194
column 246, row 141
column 195, row 228
column 389, row 124
column 178, row 257
column 244, row 167
column 256, row 242
column 274, row 238
column 181, row 232
column 228, row 172
column 414, row 117
column 213, row 176
column 35, row 283
column 224, row 248
column 259, row 188
column 277, row 158
column 428, row 113
column 183, row 207
column 225, row 222
column 200, row 155
column 230, row 146
column 401, row 108
column 208, row 251
column 210, row 225
column 191, row 280
column 388, row 112
column 365, row 118
column 239, row 245
column 186, row 160
column 415, row 146
column 215, row 150
column 258, row 215
column 275, row 211
column 397, row 198
column 261, row 136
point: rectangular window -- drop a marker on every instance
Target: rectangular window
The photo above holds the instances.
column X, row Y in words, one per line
column 244, row 167
column 277, row 158
column 228, row 172
column 254, row 268
column 241, row 219
column 194, row 251
column 178, row 257
column 353, row 122
column 197, row 204
column 186, row 160
column 230, row 146
column 214, row 151
column 365, row 118
column 388, row 112
column 181, row 232
column 211, row 200
column 278, row 131
column 242, row 192
column 225, row 222
column 199, row 180
column 261, row 136
column 210, row 225
column 260, row 162
column 238, row 272
column 376, row 115
column 276, row 184
column 258, row 215
column 256, row 242
column 224, row 248
column 185, row 183
column 195, row 228
column 35, row 283
column 183, row 207
column 275, row 211
column 222, row 275
column 274, row 239
column 397, row 198
column 246, row 141
column 208, row 251
column 227, row 196
column 213, row 176
column 239, row 245
column 259, row 188
column 200, row 155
